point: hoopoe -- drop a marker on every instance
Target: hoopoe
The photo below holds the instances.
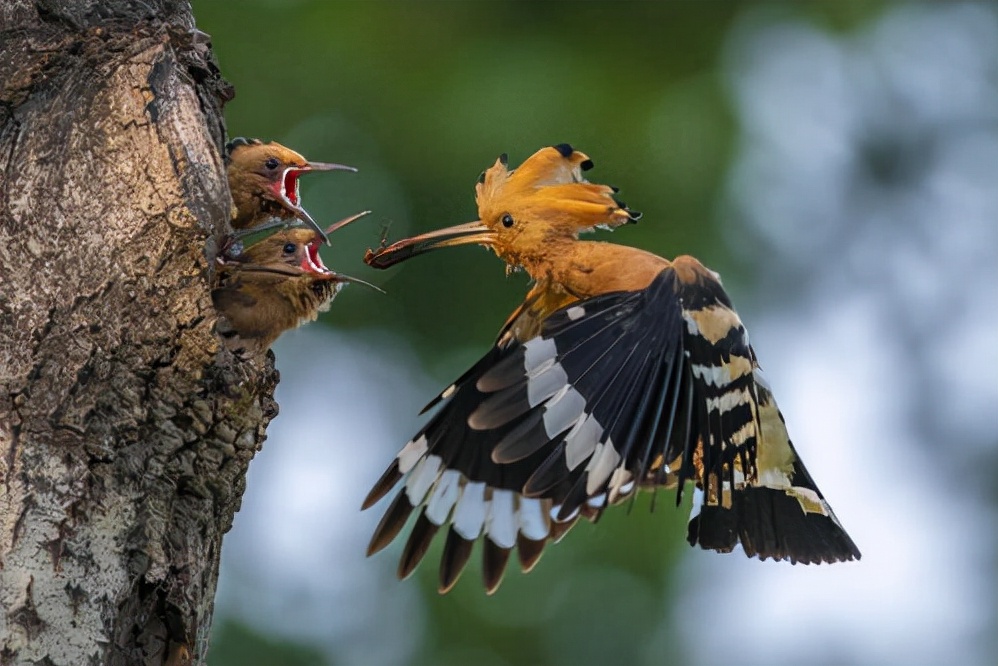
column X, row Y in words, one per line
column 621, row 370
column 274, row 285
column 263, row 180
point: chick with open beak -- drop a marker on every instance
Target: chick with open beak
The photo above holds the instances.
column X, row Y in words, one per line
column 263, row 180
column 274, row 285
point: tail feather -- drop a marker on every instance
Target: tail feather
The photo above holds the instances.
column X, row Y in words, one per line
column 774, row 523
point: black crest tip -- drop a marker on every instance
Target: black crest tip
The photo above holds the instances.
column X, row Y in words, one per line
column 586, row 165
column 634, row 215
column 565, row 149
column 481, row 178
column 504, row 159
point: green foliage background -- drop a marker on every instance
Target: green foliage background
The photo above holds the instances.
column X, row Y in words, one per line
column 422, row 96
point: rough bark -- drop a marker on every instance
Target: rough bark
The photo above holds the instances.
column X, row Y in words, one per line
column 125, row 432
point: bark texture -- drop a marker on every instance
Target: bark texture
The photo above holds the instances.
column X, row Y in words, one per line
column 125, row 431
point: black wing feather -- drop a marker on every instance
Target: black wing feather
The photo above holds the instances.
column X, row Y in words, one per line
column 665, row 376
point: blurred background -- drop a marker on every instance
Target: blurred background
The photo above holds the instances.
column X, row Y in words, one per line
column 836, row 162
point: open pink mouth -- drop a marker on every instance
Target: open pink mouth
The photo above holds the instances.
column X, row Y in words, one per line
column 289, row 185
column 311, row 262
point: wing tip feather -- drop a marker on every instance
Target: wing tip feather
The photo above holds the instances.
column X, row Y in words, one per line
column 391, row 523
column 389, row 478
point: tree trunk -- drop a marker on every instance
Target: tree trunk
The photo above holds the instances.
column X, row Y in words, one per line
column 125, row 432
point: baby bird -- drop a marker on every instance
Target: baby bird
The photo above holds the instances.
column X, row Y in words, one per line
column 263, row 180
column 274, row 285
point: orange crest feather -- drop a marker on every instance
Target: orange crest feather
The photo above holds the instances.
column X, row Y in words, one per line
column 549, row 187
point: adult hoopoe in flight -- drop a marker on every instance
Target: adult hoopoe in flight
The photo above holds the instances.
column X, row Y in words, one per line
column 621, row 370
column 274, row 285
column 263, row 181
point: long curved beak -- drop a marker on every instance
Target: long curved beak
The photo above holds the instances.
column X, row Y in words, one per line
column 461, row 234
column 326, row 166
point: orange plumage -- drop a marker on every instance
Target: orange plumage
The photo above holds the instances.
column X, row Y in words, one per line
column 621, row 370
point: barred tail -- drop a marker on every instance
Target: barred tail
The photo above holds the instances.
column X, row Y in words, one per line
column 794, row 524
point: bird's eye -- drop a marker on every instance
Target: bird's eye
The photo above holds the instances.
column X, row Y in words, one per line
column 289, row 248
column 271, row 163
column 507, row 220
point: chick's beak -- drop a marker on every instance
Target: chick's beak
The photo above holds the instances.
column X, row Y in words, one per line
column 326, row 166
column 287, row 190
column 312, row 263
column 289, row 179
column 461, row 234
column 303, row 215
column 345, row 221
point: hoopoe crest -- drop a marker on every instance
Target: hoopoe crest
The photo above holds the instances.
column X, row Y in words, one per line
column 548, row 191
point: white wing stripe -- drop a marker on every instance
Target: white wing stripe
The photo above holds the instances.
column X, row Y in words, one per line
column 729, row 400
column 444, row 496
column 536, row 351
column 411, row 453
column 469, row 516
column 562, row 411
column 533, row 522
column 604, row 460
column 501, row 525
column 546, row 384
column 581, row 440
column 422, row 478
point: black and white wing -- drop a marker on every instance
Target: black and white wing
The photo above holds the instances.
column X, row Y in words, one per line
column 751, row 486
column 654, row 387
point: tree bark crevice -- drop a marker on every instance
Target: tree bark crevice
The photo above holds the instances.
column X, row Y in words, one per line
column 125, row 429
